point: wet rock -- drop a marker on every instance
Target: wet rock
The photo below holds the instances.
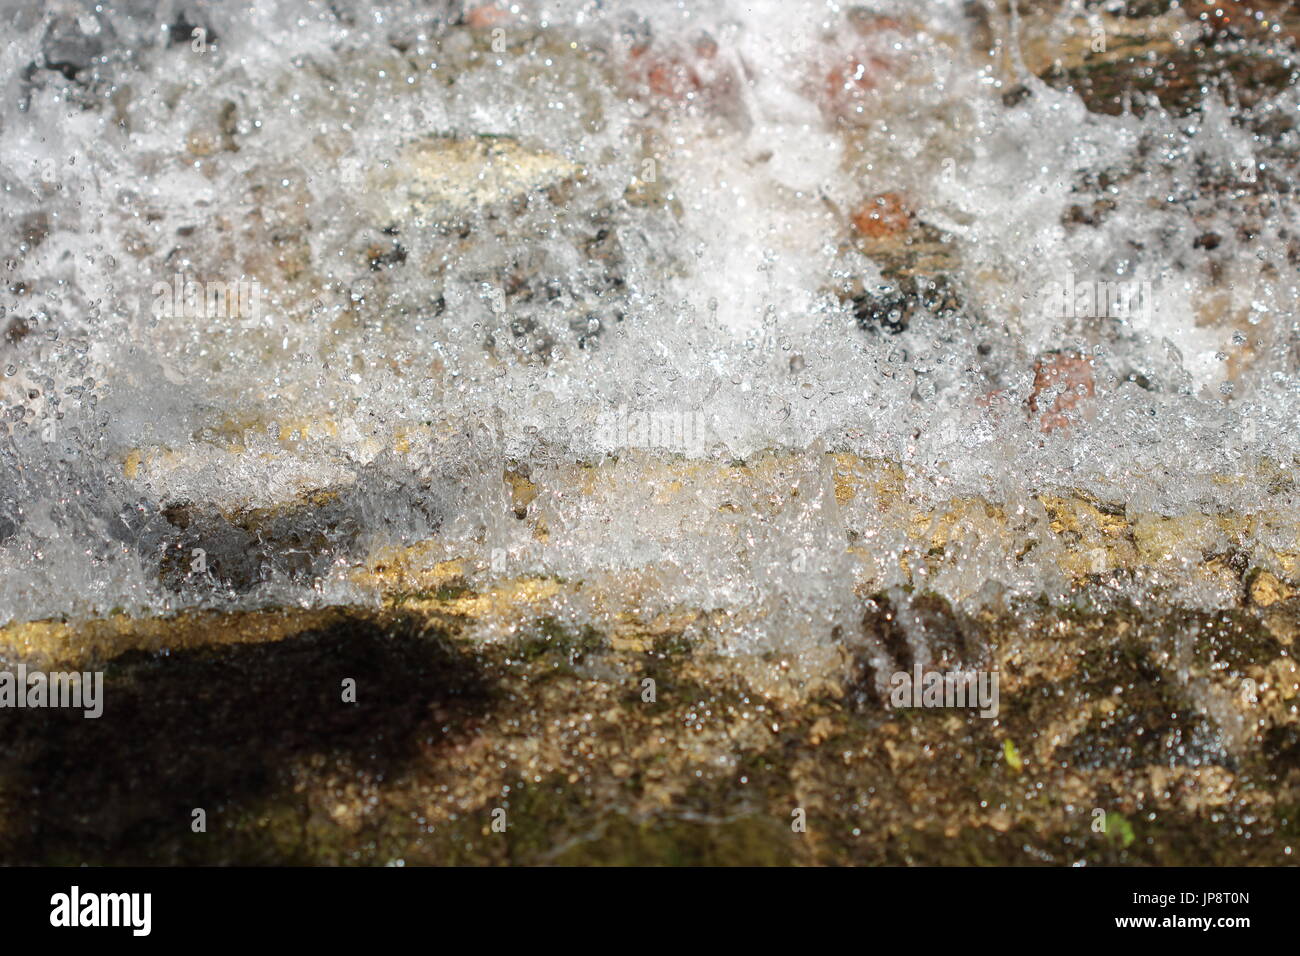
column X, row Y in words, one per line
column 1063, row 381
column 1265, row 589
column 190, row 27
column 728, row 744
column 206, row 549
column 73, row 42
column 893, row 308
column 676, row 75
column 862, row 60
column 1173, row 55
column 488, row 197
column 447, row 178
column 918, row 264
column 883, row 216
column 224, row 729
column 902, row 632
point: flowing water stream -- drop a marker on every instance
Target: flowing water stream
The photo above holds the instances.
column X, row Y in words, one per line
column 759, row 307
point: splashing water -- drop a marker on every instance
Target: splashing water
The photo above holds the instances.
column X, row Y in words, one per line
column 290, row 283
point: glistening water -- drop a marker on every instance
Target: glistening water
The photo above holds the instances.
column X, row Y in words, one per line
column 342, row 265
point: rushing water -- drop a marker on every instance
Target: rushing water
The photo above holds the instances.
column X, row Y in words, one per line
column 426, row 244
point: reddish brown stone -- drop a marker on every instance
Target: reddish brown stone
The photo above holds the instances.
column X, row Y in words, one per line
column 685, row 74
column 882, row 216
column 1066, row 375
column 485, row 16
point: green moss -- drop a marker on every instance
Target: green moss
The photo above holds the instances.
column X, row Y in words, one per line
column 552, row 641
column 1012, row 756
column 445, row 592
column 672, row 646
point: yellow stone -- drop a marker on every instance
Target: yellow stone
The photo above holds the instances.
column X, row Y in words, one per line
column 1266, row 589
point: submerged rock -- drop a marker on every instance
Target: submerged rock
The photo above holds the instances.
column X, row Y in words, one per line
column 1169, row 54
column 919, row 267
column 443, row 179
